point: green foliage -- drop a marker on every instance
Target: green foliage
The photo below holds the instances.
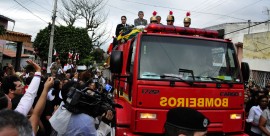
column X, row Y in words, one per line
column 98, row 55
column 87, row 61
column 2, row 30
column 66, row 38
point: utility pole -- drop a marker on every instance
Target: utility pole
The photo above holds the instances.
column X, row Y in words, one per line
column 51, row 38
column 249, row 21
column 268, row 13
column 268, row 17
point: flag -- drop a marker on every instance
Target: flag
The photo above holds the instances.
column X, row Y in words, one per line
column 131, row 34
column 110, row 48
column 55, row 53
column 70, row 55
column 78, row 56
column 75, row 56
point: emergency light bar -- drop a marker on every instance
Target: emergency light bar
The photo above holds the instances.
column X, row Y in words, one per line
column 158, row 28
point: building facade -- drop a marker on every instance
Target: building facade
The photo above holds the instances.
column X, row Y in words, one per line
column 255, row 37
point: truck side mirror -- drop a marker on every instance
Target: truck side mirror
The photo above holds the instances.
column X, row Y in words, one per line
column 245, row 71
column 116, row 61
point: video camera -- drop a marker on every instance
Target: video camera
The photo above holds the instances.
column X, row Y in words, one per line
column 94, row 103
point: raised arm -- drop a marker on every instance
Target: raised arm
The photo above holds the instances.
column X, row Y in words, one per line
column 27, row 100
column 34, row 119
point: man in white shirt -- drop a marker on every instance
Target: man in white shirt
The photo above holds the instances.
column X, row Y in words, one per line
column 69, row 66
column 12, row 86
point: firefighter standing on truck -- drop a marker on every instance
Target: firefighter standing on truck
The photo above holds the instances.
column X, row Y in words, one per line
column 170, row 18
column 187, row 20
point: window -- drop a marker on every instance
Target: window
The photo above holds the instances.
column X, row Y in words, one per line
column 160, row 55
column 131, row 56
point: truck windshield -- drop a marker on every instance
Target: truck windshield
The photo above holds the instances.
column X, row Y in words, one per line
column 209, row 60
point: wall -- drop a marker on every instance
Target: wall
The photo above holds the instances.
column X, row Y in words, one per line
column 5, row 24
column 23, row 62
column 255, row 44
column 257, row 50
column 3, row 42
column 239, row 36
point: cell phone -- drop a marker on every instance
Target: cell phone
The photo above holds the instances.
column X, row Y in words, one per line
column 108, row 87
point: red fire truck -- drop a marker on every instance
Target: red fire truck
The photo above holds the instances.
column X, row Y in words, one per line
column 164, row 67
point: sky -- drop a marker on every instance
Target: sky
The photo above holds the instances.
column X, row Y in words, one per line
column 204, row 13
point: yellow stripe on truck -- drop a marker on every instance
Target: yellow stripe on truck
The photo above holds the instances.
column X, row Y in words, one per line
column 194, row 102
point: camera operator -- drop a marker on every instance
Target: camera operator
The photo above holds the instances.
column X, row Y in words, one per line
column 66, row 123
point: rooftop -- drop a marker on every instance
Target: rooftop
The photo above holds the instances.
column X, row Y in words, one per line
column 11, row 53
column 6, row 18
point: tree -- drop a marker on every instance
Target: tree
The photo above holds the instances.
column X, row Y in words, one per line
column 87, row 61
column 71, row 12
column 98, row 55
column 66, row 39
column 92, row 11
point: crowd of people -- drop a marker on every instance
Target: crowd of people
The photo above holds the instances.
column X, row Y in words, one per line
column 257, row 109
column 37, row 105
column 33, row 103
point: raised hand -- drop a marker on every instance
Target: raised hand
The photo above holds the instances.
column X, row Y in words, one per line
column 35, row 65
column 49, row 83
column 109, row 115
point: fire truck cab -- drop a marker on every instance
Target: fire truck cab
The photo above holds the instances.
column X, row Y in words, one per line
column 164, row 67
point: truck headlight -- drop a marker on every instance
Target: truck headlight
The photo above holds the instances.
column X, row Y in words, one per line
column 148, row 116
column 235, row 116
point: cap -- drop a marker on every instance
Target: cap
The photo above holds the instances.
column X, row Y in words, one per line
column 170, row 17
column 187, row 119
column 153, row 18
column 19, row 74
column 187, row 19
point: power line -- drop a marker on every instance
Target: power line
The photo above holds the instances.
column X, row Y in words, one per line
column 40, row 5
column 14, row 7
column 246, row 27
column 31, row 12
column 204, row 6
column 268, row 13
column 121, row 9
column 213, row 6
column 199, row 5
column 251, row 4
column 184, row 10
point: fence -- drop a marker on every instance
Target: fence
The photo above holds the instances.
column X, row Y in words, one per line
column 261, row 78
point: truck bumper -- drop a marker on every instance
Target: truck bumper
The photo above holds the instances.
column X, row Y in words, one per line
column 120, row 131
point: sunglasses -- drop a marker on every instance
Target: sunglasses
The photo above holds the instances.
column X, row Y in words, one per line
column 169, row 21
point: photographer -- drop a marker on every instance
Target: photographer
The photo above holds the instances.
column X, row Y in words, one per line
column 67, row 123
